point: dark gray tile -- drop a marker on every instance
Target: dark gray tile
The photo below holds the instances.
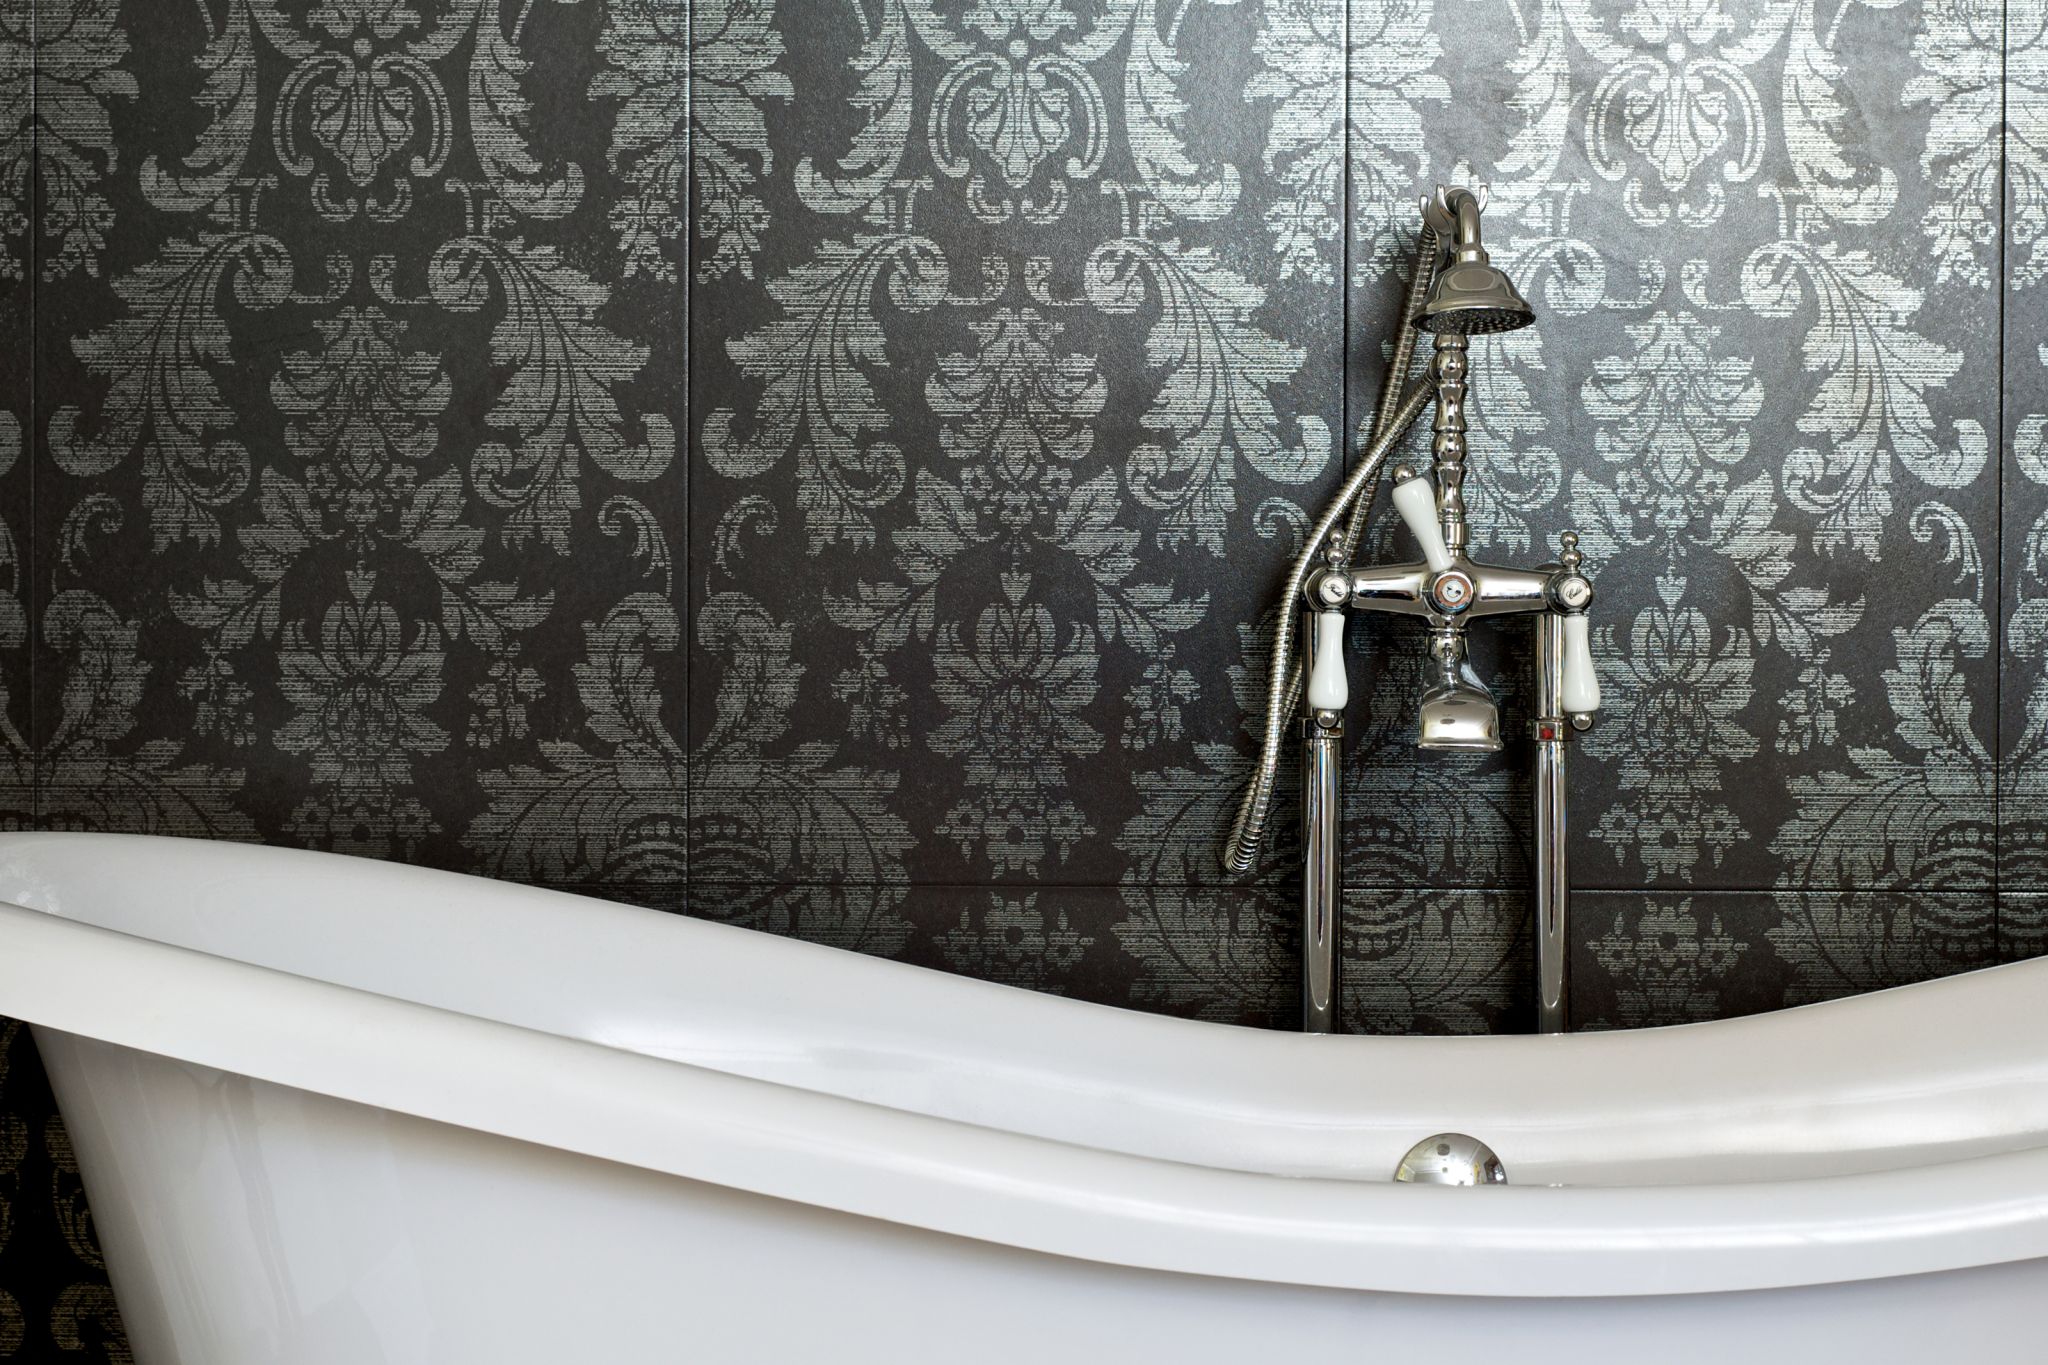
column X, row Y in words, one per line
column 1222, row 953
column 17, row 623
column 2023, row 714
column 1011, row 450
column 1061, row 940
column 1643, row 959
column 1417, row 818
column 1414, row 960
column 2023, row 658
column 368, row 498
column 55, row 1301
column 19, row 249
column 1761, row 386
column 862, row 917
column 1422, row 960
column 2022, row 926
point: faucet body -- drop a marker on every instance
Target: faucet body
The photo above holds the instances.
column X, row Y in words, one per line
column 1445, row 592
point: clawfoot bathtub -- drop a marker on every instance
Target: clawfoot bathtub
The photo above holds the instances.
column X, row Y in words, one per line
column 337, row 1112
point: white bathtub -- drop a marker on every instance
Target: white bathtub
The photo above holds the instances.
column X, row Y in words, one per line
column 339, row 1112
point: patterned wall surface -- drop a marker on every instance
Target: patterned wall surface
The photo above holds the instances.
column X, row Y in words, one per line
column 822, row 464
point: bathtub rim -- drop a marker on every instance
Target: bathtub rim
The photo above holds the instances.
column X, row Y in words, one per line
column 956, row 1178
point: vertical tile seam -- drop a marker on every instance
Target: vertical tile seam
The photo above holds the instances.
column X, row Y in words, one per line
column 1998, row 754
column 688, row 444
column 31, row 438
column 1345, row 228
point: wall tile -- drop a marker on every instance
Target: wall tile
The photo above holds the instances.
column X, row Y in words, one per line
column 1433, row 960
column 1761, row 388
column 1644, row 959
column 587, row 785
column 1223, row 953
column 2022, row 926
column 55, row 1302
column 20, row 248
column 1003, row 437
column 2023, row 717
column 1061, row 940
column 355, row 457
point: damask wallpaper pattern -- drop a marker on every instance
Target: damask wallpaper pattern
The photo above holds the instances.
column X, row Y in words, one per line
column 822, row 464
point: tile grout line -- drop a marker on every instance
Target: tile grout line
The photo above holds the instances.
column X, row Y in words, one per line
column 1286, row 888
column 688, row 574
column 30, row 439
column 1998, row 502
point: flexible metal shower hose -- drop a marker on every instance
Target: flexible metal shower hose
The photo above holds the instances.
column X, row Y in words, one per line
column 1400, row 405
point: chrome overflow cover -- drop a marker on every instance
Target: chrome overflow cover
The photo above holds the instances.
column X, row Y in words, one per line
column 1451, row 1159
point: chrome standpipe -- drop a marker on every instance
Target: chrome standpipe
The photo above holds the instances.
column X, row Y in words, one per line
column 1553, row 879
column 1567, row 695
column 1322, row 767
column 1322, row 861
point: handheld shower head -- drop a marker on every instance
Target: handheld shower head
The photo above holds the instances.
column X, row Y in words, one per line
column 1470, row 294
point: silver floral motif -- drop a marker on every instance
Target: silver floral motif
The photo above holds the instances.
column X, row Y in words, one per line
column 1425, row 961
column 1301, row 46
column 695, row 80
column 1394, row 92
column 1014, row 702
column 1910, row 828
column 360, row 693
column 2023, row 756
column 1674, row 420
column 1668, row 967
column 1984, row 77
column 1674, row 112
column 61, row 71
column 1679, row 688
column 1013, row 941
column 1021, row 115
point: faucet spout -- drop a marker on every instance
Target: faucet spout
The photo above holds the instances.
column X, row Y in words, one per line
column 1458, row 712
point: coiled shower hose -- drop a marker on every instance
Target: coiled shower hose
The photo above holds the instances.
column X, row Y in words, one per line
column 1400, row 405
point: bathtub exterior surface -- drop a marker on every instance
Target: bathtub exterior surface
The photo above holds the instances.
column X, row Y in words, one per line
column 337, row 1111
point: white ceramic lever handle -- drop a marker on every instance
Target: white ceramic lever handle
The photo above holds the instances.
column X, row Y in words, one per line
column 1329, row 688
column 1581, row 691
column 1415, row 500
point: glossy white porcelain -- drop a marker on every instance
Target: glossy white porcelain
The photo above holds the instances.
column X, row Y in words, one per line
column 342, row 1112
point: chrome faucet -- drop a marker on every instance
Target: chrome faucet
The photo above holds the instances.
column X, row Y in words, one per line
column 1457, row 292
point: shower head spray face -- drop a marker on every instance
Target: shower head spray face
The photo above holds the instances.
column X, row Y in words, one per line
column 1473, row 296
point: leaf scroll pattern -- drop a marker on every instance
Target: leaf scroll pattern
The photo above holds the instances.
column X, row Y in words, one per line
column 938, row 408
column 367, row 180
column 62, row 71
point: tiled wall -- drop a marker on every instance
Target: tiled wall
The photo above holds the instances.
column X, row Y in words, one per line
column 824, row 464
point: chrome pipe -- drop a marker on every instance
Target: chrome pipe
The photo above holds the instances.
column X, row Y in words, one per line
column 1322, row 877
column 1553, row 883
